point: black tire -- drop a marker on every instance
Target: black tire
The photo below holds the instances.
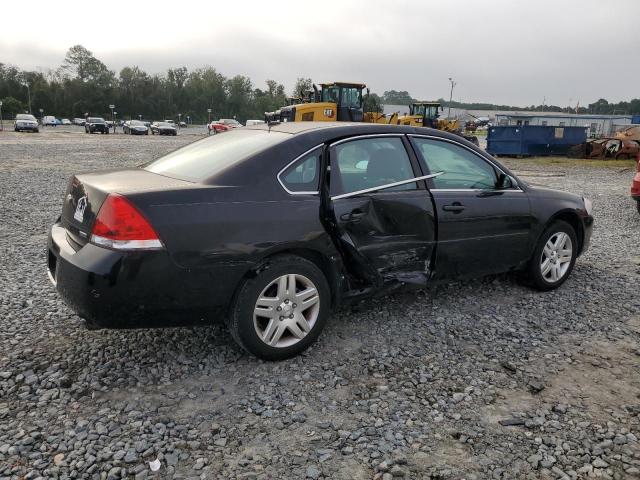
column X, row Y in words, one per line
column 638, row 205
column 240, row 320
column 533, row 272
column 36, row 131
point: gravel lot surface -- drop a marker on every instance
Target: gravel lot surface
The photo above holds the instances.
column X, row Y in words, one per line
column 474, row 380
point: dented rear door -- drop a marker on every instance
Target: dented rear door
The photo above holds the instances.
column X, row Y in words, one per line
column 386, row 235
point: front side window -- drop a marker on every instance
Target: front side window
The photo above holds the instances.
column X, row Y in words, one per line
column 462, row 168
column 330, row 94
column 370, row 162
column 303, row 175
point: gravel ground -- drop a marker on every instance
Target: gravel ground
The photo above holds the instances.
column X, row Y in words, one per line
column 474, row 380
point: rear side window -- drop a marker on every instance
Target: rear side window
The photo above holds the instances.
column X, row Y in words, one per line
column 303, row 175
column 213, row 155
column 462, row 168
column 368, row 163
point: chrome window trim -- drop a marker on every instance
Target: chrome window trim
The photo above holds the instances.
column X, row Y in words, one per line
column 299, row 157
column 368, row 135
column 384, row 186
column 442, row 139
column 512, row 190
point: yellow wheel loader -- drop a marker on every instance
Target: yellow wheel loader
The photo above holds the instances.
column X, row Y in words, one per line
column 427, row 114
column 334, row 102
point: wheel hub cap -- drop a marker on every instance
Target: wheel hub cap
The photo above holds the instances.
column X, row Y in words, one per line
column 556, row 257
column 286, row 310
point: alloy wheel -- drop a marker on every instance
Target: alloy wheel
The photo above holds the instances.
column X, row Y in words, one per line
column 556, row 257
column 286, row 310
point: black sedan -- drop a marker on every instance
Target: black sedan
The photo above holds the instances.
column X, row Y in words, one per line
column 273, row 226
column 135, row 127
column 163, row 128
column 96, row 124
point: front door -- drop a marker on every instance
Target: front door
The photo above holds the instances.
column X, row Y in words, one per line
column 384, row 235
column 483, row 226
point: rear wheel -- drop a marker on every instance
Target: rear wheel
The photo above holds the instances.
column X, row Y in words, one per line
column 554, row 257
column 282, row 310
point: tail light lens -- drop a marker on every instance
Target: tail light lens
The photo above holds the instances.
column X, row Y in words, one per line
column 119, row 225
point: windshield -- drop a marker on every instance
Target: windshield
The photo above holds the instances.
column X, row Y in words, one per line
column 23, row 116
column 137, row 123
column 213, row 155
column 164, row 124
column 95, row 120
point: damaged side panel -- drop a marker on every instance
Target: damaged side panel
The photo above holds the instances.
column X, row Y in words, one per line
column 387, row 237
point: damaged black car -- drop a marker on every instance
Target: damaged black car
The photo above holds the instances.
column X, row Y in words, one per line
column 273, row 226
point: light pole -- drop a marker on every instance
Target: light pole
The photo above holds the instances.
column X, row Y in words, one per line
column 139, row 117
column 42, row 116
column 115, row 118
column 209, row 112
column 179, row 117
column 112, row 117
column 1, row 124
column 453, row 84
column 188, row 117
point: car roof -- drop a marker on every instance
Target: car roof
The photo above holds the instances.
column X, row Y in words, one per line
column 342, row 128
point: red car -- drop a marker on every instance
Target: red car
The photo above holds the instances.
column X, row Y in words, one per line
column 217, row 127
column 635, row 185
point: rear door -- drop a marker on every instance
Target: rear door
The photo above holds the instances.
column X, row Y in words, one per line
column 483, row 227
column 384, row 234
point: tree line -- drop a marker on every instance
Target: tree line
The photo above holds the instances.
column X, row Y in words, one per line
column 85, row 85
column 601, row 106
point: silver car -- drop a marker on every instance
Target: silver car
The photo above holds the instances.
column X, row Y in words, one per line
column 25, row 121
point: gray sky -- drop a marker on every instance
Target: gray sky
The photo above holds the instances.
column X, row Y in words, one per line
column 500, row 51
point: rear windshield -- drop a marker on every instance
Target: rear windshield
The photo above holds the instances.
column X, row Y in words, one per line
column 164, row 124
column 215, row 154
column 22, row 116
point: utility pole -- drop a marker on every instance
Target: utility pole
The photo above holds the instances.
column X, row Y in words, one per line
column 453, row 84
column 209, row 112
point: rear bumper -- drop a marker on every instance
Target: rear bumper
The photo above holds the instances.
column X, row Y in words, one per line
column 112, row 289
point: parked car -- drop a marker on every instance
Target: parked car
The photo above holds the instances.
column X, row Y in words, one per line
column 50, row 121
column 163, row 128
column 230, row 122
column 217, row 127
column 135, row 127
column 275, row 226
column 635, row 184
column 66, row 121
column 95, row 124
column 248, row 123
column 78, row 121
column 25, row 121
column 183, row 124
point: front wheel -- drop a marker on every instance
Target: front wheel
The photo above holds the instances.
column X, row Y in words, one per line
column 554, row 257
column 281, row 311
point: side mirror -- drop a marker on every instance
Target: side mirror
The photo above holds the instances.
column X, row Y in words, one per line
column 505, row 182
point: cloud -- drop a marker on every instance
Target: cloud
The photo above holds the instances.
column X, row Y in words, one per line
column 497, row 51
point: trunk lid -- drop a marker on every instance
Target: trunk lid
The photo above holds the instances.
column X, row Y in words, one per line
column 87, row 192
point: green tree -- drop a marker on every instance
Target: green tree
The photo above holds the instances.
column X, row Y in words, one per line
column 12, row 106
column 302, row 86
column 393, row 97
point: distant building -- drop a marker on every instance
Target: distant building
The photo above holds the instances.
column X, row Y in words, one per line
column 600, row 125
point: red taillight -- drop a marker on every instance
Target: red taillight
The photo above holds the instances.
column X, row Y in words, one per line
column 121, row 226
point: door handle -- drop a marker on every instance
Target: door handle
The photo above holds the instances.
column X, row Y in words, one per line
column 353, row 215
column 455, row 207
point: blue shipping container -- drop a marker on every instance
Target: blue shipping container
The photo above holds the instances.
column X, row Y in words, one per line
column 635, row 119
column 534, row 140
